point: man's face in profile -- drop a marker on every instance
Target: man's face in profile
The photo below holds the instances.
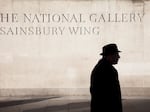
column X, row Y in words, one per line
column 114, row 58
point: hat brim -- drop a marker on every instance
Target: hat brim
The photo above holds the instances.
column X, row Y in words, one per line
column 114, row 52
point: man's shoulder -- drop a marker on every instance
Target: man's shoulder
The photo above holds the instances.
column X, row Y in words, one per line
column 101, row 65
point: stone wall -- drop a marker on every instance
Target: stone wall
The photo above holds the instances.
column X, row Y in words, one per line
column 55, row 44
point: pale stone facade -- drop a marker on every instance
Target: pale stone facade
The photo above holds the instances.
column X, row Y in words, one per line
column 46, row 45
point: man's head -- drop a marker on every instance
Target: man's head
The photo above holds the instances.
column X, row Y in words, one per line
column 111, row 53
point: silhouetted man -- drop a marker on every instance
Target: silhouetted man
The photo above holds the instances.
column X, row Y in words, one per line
column 105, row 88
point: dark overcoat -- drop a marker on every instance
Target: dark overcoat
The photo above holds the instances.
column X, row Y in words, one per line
column 105, row 88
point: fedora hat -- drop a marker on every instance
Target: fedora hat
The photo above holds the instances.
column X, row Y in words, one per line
column 109, row 49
